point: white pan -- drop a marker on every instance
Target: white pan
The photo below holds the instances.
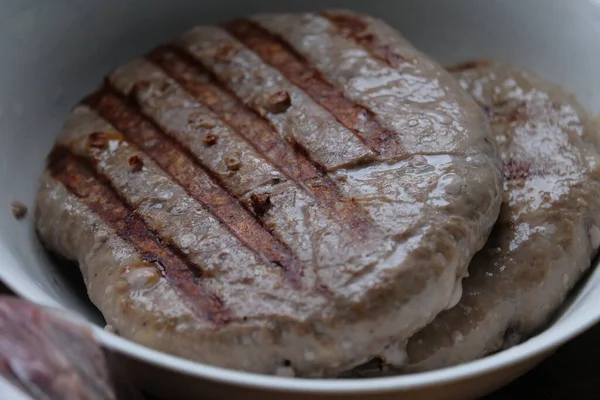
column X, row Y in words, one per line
column 54, row 52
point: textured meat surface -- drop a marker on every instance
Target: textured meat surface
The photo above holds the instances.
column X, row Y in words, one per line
column 49, row 357
column 288, row 193
column 548, row 229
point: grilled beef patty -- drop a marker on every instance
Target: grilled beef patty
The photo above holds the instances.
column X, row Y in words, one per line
column 549, row 225
column 287, row 192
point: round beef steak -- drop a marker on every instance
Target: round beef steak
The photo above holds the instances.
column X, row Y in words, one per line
column 283, row 194
column 549, row 225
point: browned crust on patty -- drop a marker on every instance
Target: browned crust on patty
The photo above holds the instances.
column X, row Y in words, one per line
column 78, row 176
column 354, row 28
column 279, row 54
column 292, row 161
column 196, row 180
column 319, row 248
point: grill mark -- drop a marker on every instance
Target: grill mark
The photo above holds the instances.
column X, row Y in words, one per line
column 291, row 160
column 80, row 177
column 204, row 86
column 355, row 29
column 280, row 55
column 468, row 65
column 191, row 175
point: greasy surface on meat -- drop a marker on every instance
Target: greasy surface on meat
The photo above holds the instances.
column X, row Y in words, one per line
column 253, row 200
column 548, row 229
column 49, row 357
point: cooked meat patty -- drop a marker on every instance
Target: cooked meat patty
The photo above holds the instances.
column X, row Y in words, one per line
column 548, row 229
column 284, row 193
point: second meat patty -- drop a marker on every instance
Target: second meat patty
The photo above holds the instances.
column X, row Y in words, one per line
column 288, row 193
column 549, row 226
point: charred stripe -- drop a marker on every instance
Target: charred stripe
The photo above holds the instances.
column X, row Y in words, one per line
column 280, row 55
column 78, row 175
column 190, row 174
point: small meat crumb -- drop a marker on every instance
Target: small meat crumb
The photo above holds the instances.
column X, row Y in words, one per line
column 233, row 163
column 261, row 203
column 279, row 102
column 19, row 209
column 210, row 140
column 226, row 52
column 97, row 140
column 136, row 163
column 206, row 124
column 141, row 86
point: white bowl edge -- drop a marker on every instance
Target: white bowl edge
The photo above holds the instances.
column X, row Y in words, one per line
column 549, row 339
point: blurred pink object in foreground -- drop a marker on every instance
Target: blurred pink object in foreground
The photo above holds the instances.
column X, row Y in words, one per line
column 49, row 357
